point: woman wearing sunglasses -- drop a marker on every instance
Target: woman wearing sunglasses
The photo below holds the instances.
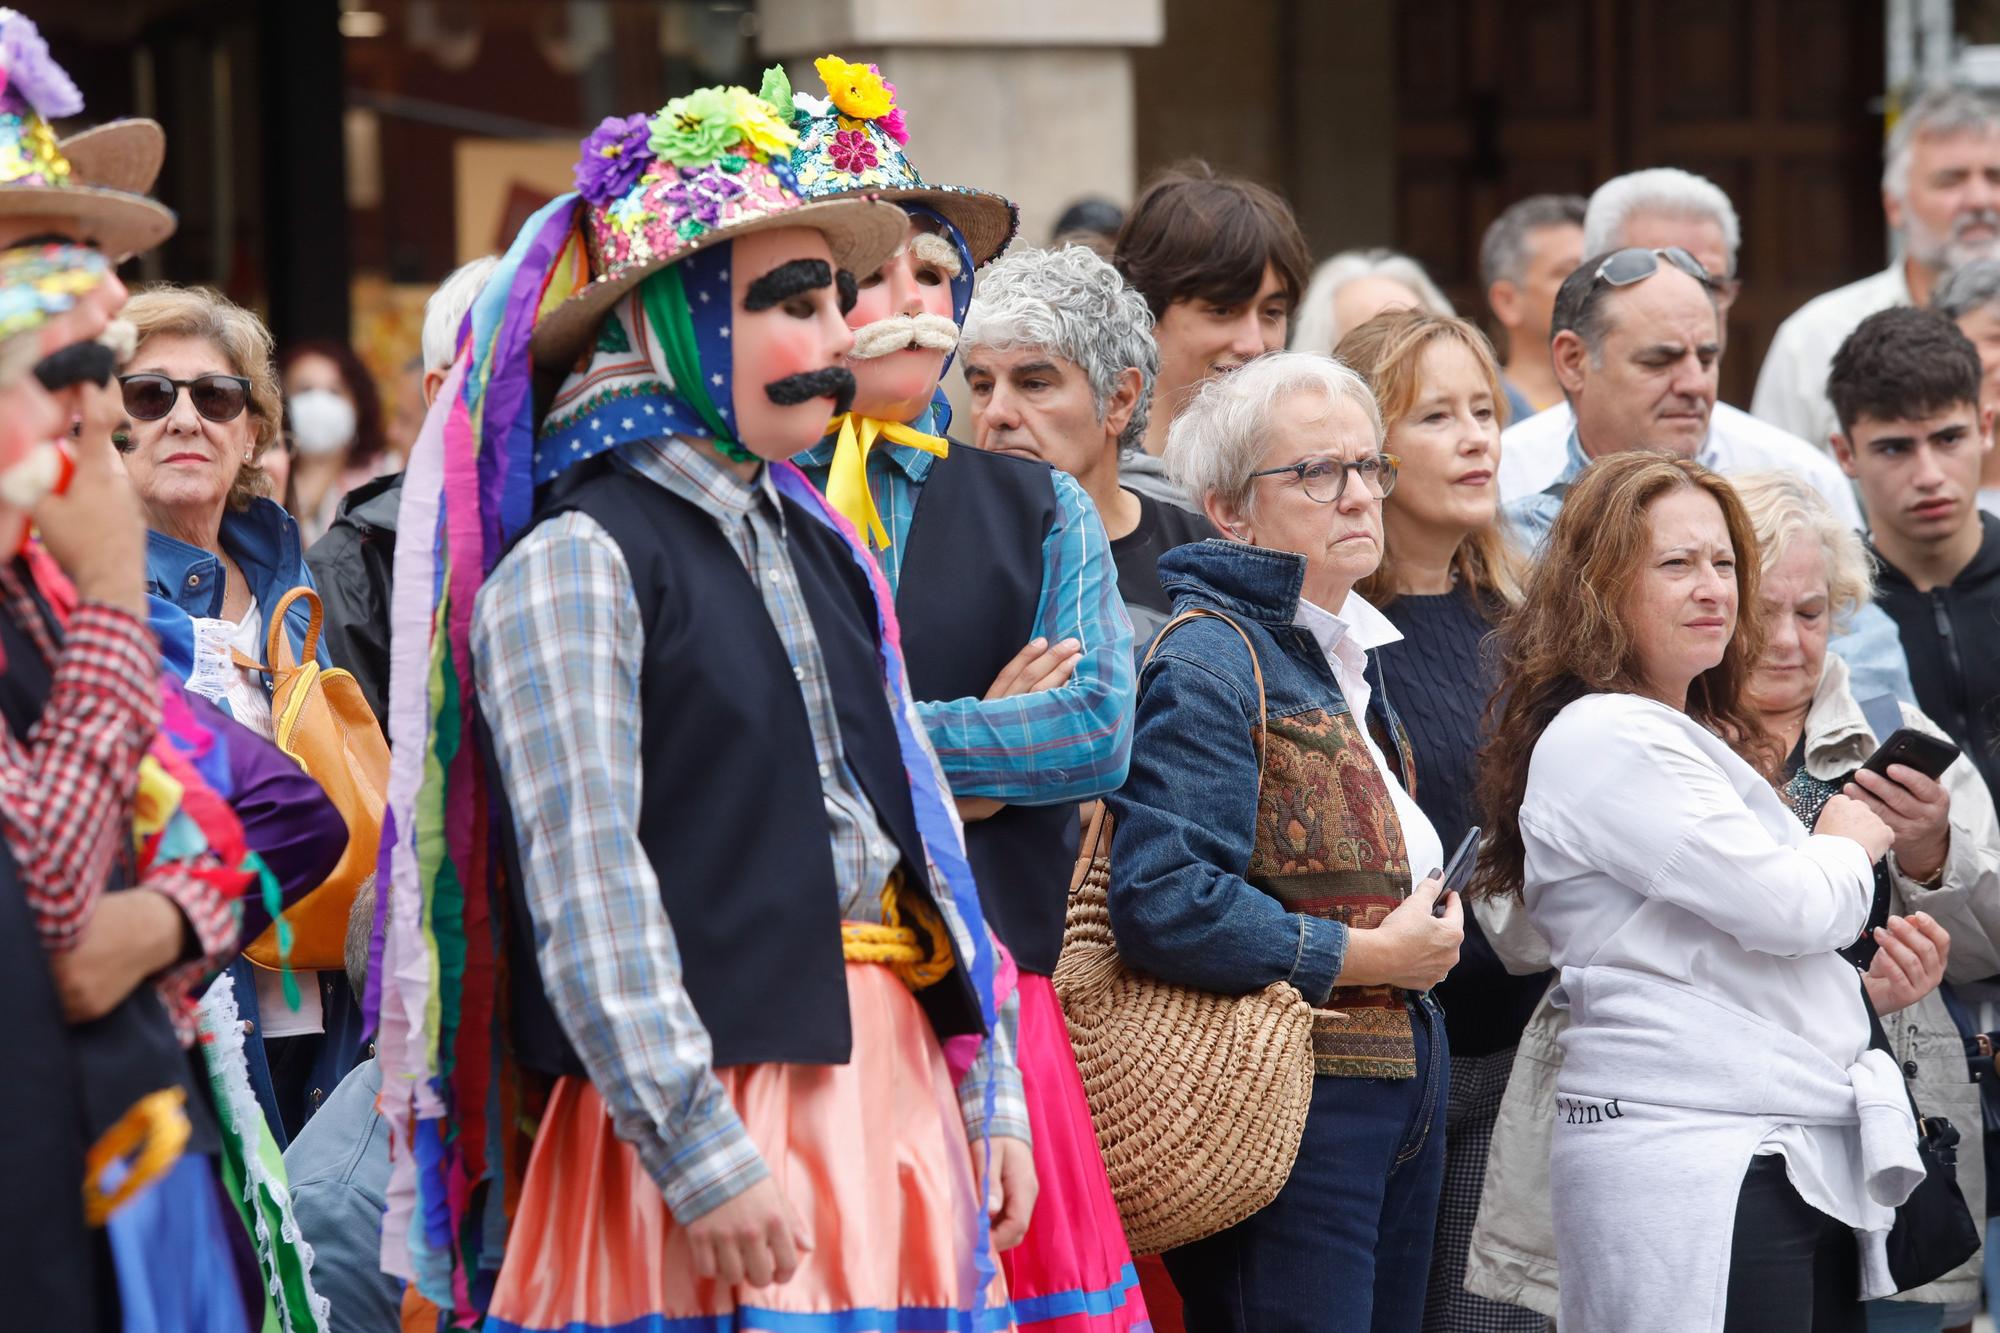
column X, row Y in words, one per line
column 204, row 406
column 202, row 398
column 1302, row 860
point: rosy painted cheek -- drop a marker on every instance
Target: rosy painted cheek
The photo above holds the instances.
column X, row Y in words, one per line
column 769, row 346
column 870, row 304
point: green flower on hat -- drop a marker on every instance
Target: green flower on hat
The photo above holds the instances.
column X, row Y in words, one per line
column 693, row 130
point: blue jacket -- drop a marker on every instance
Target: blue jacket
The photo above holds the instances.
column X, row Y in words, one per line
column 186, row 581
column 1186, row 817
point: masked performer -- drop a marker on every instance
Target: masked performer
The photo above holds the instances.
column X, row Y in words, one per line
column 1019, row 647
column 741, row 934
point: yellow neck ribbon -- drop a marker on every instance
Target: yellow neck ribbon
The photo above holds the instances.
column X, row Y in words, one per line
column 847, row 486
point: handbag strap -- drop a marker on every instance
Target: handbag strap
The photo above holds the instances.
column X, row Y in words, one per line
column 1256, row 667
column 1878, row 1040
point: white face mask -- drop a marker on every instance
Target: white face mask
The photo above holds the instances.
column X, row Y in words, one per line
column 322, row 422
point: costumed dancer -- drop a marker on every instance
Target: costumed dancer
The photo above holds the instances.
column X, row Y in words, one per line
column 711, row 788
column 1019, row 646
column 114, row 790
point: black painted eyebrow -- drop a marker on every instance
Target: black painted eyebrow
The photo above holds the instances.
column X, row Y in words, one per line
column 786, row 281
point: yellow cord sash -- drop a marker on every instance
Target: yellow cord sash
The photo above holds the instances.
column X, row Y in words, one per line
column 847, row 486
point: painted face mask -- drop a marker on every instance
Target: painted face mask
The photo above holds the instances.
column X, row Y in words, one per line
column 739, row 344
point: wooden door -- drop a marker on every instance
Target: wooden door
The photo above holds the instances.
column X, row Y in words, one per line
column 1774, row 100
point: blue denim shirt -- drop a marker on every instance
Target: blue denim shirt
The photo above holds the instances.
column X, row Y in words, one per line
column 185, row 581
column 1180, row 906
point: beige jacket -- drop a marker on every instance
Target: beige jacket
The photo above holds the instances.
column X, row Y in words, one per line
column 1513, row 1254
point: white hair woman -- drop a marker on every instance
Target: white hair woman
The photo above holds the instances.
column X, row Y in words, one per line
column 1059, row 357
column 1937, row 897
column 1307, row 868
column 1353, row 287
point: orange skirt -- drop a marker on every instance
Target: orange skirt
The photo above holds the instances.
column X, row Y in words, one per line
column 871, row 1155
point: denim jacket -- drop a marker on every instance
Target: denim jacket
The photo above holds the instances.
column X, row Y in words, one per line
column 1181, row 908
column 186, row 582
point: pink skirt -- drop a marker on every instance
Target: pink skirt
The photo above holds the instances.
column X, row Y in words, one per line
column 1073, row 1273
column 871, row 1155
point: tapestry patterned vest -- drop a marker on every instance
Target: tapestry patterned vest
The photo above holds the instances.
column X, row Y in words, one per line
column 1329, row 845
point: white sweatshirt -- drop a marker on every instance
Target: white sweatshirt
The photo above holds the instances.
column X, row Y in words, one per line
column 1694, row 920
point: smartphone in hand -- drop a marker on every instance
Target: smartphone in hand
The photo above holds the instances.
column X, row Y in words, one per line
column 1927, row 754
column 1458, row 873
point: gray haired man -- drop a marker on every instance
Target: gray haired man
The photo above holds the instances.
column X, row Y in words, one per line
column 1941, row 194
column 1970, row 298
column 1524, row 256
column 1653, row 209
column 1059, row 357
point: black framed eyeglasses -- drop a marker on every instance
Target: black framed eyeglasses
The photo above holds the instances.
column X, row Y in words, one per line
column 1622, row 268
column 1325, row 479
column 149, row 396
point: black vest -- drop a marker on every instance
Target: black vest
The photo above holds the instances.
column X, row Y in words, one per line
column 732, row 815
column 970, row 587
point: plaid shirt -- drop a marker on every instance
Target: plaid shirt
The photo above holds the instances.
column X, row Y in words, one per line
column 1065, row 744
column 66, row 793
column 558, row 647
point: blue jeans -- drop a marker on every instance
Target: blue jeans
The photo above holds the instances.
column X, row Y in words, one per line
column 1346, row 1245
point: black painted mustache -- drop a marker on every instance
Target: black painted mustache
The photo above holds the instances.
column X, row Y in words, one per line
column 834, row 382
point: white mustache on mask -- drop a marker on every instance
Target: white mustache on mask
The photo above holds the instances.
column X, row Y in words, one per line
column 932, row 332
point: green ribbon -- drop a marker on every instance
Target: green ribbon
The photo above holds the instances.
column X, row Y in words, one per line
column 664, row 299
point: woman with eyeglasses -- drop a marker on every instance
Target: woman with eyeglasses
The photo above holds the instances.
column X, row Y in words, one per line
column 202, row 398
column 1309, row 864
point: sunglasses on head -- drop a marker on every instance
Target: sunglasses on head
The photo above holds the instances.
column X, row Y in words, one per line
column 149, row 397
column 1622, row 268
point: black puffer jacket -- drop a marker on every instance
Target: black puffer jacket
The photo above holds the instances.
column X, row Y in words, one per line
column 352, row 564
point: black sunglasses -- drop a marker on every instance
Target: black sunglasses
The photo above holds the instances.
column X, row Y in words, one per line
column 1622, row 268
column 149, row 397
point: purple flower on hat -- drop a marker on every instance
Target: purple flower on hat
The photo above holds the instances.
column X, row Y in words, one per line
column 614, row 156
column 851, row 151
column 31, row 74
column 701, row 193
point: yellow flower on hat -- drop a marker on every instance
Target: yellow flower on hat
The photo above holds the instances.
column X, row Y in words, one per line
column 762, row 126
column 855, row 89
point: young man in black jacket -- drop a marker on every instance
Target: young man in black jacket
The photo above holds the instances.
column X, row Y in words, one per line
column 1905, row 386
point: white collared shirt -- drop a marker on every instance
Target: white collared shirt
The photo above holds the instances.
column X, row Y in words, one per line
column 1534, row 452
column 1347, row 639
column 1791, row 387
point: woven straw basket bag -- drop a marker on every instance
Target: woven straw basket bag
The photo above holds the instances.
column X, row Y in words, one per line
column 1199, row 1099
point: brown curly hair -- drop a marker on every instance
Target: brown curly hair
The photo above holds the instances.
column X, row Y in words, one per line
column 1569, row 638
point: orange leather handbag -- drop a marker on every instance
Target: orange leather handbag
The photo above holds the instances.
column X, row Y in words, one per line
column 321, row 719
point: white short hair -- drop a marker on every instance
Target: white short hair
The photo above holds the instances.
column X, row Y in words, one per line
column 1071, row 304
column 445, row 310
column 1784, row 507
column 1316, row 329
column 1217, row 440
column 1659, row 190
column 1940, row 113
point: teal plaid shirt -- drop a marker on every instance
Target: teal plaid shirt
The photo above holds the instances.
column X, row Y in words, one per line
column 1065, row 744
